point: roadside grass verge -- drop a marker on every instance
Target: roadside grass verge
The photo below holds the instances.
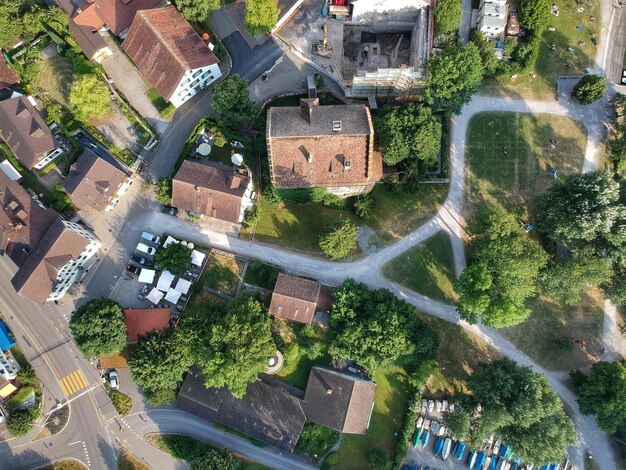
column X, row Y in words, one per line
column 127, row 461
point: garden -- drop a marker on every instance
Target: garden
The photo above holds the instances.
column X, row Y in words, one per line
column 222, row 273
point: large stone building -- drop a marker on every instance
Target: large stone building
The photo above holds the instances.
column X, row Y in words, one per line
column 323, row 146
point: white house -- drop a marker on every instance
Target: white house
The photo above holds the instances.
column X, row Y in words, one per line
column 167, row 50
column 492, row 16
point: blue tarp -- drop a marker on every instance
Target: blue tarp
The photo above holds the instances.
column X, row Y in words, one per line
column 6, row 340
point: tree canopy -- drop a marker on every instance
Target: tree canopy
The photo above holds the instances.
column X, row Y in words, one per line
column 261, row 15
column 89, row 97
column 409, row 131
column 375, row 328
column 216, row 459
column 339, row 240
column 231, row 98
column 163, row 191
column 176, row 258
column 99, row 328
column 503, row 271
column 534, row 15
column 197, row 10
column 603, row 392
column 589, row 88
column 231, row 348
column 453, row 77
column 447, row 16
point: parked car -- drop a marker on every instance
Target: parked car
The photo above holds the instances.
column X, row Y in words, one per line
column 133, row 269
column 90, row 145
column 114, row 380
column 149, row 250
column 150, row 237
column 139, row 260
column 169, row 210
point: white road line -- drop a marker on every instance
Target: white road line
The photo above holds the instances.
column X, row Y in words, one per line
column 72, row 443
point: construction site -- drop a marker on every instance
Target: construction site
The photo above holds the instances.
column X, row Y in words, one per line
column 373, row 48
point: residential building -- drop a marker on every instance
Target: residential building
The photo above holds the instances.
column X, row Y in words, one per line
column 23, row 220
column 167, row 50
column 118, row 15
column 8, row 76
column 141, row 321
column 6, row 388
column 8, row 368
column 492, row 18
column 96, row 182
column 213, row 190
column 62, row 256
column 27, row 135
column 323, row 146
column 295, row 298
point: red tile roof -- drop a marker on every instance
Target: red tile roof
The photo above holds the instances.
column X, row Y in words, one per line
column 209, row 190
column 89, row 17
column 164, row 46
column 294, row 298
column 8, row 76
column 141, row 321
column 119, row 14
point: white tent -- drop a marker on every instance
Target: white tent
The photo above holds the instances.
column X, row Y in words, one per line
column 168, row 241
column 165, row 281
column 146, row 275
column 155, row 296
column 183, row 285
column 172, row 296
column 197, row 257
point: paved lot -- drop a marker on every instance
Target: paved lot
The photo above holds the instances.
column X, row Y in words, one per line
column 248, row 62
column 118, row 130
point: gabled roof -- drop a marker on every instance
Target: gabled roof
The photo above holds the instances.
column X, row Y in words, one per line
column 339, row 401
column 36, row 277
column 119, row 14
column 8, row 76
column 88, row 16
column 22, row 221
column 164, row 46
column 294, row 298
column 93, row 180
column 209, row 189
column 24, row 130
column 141, row 321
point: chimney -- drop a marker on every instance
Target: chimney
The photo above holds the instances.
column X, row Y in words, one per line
column 306, row 108
column 329, row 391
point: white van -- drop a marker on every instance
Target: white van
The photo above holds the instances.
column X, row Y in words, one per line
column 146, row 249
column 151, row 238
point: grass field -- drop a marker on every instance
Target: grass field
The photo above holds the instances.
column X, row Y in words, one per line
column 68, row 464
column 127, row 461
column 551, row 64
column 427, row 268
column 514, row 179
column 56, row 77
column 222, row 273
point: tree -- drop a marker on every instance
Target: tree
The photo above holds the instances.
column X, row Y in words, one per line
column 458, row 423
column 163, row 191
column 615, row 290
column 159, row 360
column 410, row 131
column 503, row 272
column 89, row 97
column 231, row 348
column 447, row 16
column 363, row 206
column 454, row 75
column 375, row 328
column 176, row 258
column 231, row 98
column 11, row 22
column 603, row 392
column 216, row 459
column 567, row 278
column 261, row 15
column 197, row 10
column 487, row 52
column 20, row 422
column 534, row 15
column 584, row 207
column 590, row 88
column 98, row 328
column 339, row 240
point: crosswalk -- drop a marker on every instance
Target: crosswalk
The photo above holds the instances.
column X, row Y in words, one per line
column 73, row 382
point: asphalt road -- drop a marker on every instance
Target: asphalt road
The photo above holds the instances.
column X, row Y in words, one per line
column 251, row 63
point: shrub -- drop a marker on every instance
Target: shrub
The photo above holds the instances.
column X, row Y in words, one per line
column 590, row 88
column 20, row 422
column 122, row 403
column 363, row 206
column 20, row 397
column 163, row 396
column 332, row 459
column 163, row 191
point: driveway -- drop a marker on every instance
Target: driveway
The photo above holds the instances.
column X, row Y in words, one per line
column 248, row 62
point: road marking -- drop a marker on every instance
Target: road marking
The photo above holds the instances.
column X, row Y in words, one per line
column 73, row 382
column 75, row 442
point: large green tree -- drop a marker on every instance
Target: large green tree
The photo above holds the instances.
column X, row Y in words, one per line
column 231, row 99
column 176, row 258
column 233, row 347
column 453, row 77
column 99, row 328
column 534, row 15
column 603, row 392
column 583, row 207
column 375, row 328
column 89, row 97
column 590, row 88
column 447, row 16
column 503, row 271
column 261, row 15
column 339, row 240
column 11, row 24
column 197, row 10
column 409, row 131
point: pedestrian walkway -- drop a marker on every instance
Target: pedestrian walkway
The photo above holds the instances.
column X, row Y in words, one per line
column 73, row 382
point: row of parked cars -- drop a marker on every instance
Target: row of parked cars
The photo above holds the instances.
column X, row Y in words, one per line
column 145, row 250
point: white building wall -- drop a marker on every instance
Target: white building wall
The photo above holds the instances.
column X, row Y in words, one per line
column 48, row 158
column 192, row 81
column 246, row 201
column 366, row 8
column 8, row 369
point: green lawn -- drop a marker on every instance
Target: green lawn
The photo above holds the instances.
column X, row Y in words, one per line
column 164, row 108
column 514, row 179
column 392, row 393
column 551, row 64
column 222, row 273
column 127, row 461
column 427, row 268
column 55, row 77
column 261, row 274
column 316, row 440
